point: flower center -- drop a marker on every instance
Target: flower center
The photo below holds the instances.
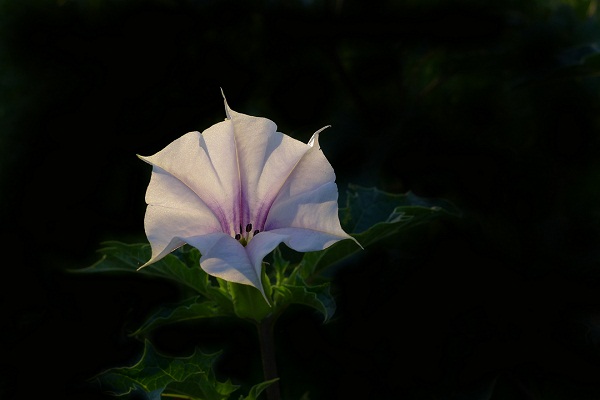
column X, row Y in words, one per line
column 244, row 236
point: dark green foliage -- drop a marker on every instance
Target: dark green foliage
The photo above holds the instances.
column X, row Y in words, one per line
column 370, row 215
column 491, row 105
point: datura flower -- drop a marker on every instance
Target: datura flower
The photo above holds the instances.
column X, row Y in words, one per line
column 238, row 190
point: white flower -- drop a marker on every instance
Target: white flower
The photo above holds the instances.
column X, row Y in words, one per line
column 238, row 190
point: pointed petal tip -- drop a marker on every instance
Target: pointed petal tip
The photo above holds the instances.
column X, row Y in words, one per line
column 154, row 258
column 151, row 261
column 265, row 297
column 227, row 109
column 348, row 236
column 315, row 137
column 356, row 241
column 144, row 265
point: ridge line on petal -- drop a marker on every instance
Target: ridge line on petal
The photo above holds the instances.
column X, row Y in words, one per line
column 240, row 205
column 214, row 206
column 310, row 144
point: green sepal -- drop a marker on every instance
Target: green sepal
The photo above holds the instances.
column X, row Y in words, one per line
column 280, row 266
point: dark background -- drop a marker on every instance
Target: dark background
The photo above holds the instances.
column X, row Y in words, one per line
column 491, row 105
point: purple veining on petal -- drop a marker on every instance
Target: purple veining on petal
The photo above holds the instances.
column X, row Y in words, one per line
column 210, row 203
column 265, row 208
column 254, row 145
column 238, row 203
column 244, row 208
column 236, row 210
column 227, row 209
column 222, row 219
column 214, row 205
column 249, row 177
column 261, row 210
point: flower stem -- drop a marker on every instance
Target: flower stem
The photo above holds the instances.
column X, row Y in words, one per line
column 267, row 353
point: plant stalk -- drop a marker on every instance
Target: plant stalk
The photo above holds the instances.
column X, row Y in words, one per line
column 267, row 353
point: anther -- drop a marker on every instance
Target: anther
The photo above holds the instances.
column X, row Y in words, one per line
column 240, row 228
column 256, row 232
column 238, row 236
column 249, row 228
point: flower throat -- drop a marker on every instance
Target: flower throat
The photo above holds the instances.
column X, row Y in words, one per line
column 244, row 237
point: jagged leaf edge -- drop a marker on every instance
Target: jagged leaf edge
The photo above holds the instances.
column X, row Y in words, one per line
column 202, row 365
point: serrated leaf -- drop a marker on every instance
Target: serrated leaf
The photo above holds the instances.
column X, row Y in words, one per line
column 372, row 215
column 317, row 297
column 181, row 266
column 195, row 308
column 204, row 390
column 366, row 207
column 153, row 374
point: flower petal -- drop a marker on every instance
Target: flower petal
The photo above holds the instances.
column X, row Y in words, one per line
column 205, row 188
column 306, row 207
column 174, row 213
column 266, row 158
column 261, row 245
column 207, row 164
column 303, row 240
column 224, row 257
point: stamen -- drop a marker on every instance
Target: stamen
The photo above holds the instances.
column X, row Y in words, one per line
column 248, row 227
column 240, row 229
column 238, row 236
column 256, row 232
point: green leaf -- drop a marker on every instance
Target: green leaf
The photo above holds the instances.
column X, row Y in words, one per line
column 372, row 215
column 257, row 389
column 205, row 390
column 314, row 296
column 194, row 308
column 366, row 207
column 181, row 266
column 154, row 375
